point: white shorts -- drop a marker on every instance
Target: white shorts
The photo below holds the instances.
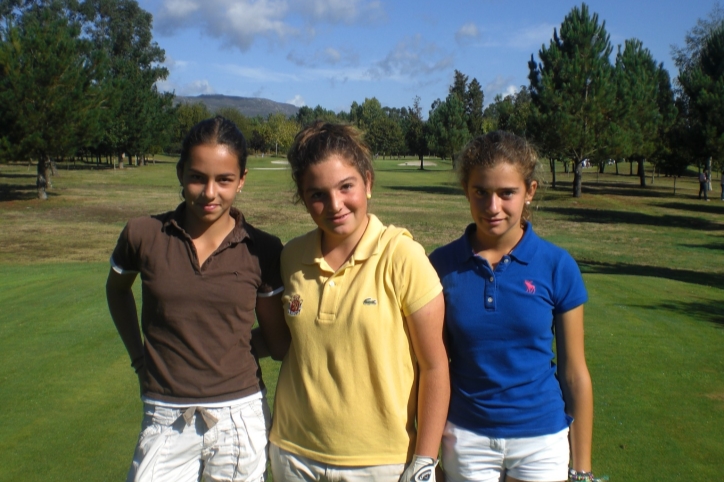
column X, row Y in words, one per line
column 174, row 450
column 468, row 456
column 289, row 467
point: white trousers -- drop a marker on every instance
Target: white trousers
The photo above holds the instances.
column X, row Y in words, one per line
column 289, row 467
column 203, row 444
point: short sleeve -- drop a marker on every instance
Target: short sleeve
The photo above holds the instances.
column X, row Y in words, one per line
column 416, row 281
column 570, row 291
column 124, row 259
column 269, row 255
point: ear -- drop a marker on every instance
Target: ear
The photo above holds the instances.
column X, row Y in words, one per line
column 465, row 190
column 531, row 191
column 368, row 183
column 242, row 180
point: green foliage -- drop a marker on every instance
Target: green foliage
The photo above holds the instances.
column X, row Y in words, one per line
column 416, row 131
column 448, row 129
column 702, row 84
column 510, row 113
column 471, row 95
column 638, row 120
column 49, row 98
column 573, row 91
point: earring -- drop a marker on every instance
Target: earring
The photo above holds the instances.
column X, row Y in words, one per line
column 527, row 203
column 369, row 195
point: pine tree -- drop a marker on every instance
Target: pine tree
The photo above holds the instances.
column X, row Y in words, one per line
column 572, row 89
column 637, row 119
column 448, row 129
column 49, row 96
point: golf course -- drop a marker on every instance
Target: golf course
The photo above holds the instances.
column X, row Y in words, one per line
column 652, row 260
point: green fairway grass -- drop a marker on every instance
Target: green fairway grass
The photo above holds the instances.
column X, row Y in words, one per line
column 653, row 264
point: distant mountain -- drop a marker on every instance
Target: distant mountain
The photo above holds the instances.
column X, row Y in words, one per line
column 249, row 106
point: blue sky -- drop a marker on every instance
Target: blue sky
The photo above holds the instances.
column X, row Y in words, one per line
column 334, row 52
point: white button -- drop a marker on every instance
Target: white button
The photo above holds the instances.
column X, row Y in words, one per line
column 490, row 299
column 492, row 279
column 506, row 260
column 331, row 283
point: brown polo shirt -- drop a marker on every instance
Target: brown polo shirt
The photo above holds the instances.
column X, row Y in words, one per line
column 196, row 320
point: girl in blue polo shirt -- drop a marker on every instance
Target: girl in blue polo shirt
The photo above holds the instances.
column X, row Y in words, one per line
column 514, row 414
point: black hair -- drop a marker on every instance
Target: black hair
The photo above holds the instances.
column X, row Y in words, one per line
column 214, row 131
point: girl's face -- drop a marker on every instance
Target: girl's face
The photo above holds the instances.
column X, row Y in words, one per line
column 335, row 194
column 210, row 178
column 497, row 196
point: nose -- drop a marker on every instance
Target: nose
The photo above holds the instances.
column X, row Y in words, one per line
column 492, row 203
column 335, row 202
column 210, row 190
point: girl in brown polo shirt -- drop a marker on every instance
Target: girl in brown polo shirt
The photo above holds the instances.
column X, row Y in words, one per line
column 205, row 274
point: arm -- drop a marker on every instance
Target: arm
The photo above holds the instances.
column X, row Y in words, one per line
column 122, row 306
column 275, row 337
column 426, row 332
column 576, row 385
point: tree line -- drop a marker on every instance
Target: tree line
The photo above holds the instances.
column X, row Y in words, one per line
column 78, row 79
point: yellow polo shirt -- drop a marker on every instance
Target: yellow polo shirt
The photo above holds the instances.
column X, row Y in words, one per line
column 347, row 390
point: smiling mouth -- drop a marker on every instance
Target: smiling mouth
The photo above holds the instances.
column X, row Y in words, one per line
column 339, row 218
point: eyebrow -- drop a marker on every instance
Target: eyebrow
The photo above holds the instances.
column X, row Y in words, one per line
column 343, row 181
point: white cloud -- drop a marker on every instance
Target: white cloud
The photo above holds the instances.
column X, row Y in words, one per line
column 328, row 56
column 197, row 87
column 499, row 85
column 466, row 33
column 411, row 57
column 532, row 37
column 341, row 11
column 297, row 100
column 240, row 23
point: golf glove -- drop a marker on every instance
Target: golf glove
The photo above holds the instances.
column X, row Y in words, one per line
column 421, row 469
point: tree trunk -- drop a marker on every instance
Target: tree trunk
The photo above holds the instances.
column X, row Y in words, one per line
column 43, row 176
column 422, row 163
column 577, row 177
column 641, row 173
column 674, row 185
column 616, row 163
column 553, row 173
column 121, row 158
column 630, row 167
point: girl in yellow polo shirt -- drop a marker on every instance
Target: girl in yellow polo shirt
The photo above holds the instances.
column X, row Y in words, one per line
column 364, row 389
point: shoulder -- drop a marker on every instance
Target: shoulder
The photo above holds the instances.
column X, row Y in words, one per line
column 262, row 238
column 446, row 258
column 147, row 226
column 300, row 244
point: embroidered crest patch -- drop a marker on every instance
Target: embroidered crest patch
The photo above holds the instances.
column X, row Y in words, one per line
column 295, row 305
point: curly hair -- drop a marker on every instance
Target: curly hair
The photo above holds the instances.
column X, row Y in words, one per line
column 318, row 141
column 489, row 150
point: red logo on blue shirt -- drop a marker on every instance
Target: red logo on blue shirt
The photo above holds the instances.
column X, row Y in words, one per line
column 529, row 286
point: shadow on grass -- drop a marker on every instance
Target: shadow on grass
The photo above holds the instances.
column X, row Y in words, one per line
column 683, row 275
column 19, row 193
column 712, row 246
column 699, row 310
column 605, row 216
column 448, row 190
column 12, row 175
column 590, row 186
column 704, row 207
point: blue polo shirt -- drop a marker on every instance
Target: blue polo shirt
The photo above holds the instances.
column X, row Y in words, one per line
column 500, row 328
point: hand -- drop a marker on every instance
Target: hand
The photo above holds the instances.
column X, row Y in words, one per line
column 421, row 469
